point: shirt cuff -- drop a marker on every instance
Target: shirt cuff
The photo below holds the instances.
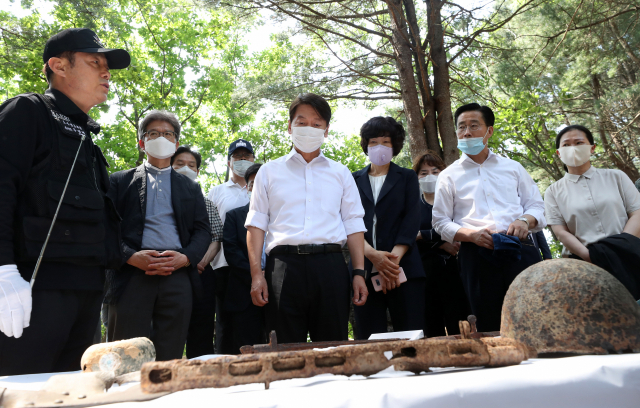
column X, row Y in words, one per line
column 556, row 221
column 256, row 219
column 449, row 231
column 354, row 225
column 541, row 221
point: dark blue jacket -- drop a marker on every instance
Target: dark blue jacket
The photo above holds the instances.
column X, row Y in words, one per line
column 398, row 215
column 237, row 293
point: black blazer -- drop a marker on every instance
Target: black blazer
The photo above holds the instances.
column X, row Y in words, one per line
column 128, row 190
column 398, row 215
column 237, row 294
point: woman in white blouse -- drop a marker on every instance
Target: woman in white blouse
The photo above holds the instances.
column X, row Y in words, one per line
column 588, row 204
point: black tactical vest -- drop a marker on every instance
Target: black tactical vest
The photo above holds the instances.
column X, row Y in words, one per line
column 87, row 229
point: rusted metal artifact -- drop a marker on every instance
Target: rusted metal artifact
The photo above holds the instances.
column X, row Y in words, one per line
column 121, row 357
column 273, row 344
column 363, row 359
column 571, row 306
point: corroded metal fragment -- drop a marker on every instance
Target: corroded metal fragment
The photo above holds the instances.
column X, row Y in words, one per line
column 120, row 357
column 571, row 306
column 362, row 359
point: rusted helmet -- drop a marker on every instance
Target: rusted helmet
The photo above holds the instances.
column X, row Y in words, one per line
column 571, row 306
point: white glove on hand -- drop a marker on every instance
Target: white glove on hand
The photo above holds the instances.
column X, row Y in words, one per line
column 15, row 301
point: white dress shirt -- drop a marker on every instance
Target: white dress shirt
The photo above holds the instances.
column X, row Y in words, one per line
column 297, row 202
column 593, row 205
column 489, row 195
column 226, row 197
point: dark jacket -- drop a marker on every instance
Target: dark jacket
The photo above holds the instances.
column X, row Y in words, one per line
column 237, row 295
column 40, row 137
column 620, row 256
column 129, row 193
column 398, row 215
column 431, row 241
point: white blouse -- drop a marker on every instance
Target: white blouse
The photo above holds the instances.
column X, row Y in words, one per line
column 593, row 205
column 376, row 186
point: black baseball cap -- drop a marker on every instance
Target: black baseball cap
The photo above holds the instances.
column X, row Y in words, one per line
column 84, row 40
column 240, row 143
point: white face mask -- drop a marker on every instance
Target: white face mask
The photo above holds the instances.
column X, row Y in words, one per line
column 428, row 183
column 160, row 148
column 240, row 167
column 249, row 194
column 574, row 156
column 306, row 138
column 185, row 170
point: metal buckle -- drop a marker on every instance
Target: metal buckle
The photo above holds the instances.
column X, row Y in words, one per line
column 303, row 252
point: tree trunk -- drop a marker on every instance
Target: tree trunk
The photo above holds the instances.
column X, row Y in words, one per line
column 410, row 100
column 422, row 76
column 617, row 155
column 441, row 89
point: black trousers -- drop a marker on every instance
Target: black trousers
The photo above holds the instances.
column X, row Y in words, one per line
column 445, row 299
column 241, row 328
column 162, row 301
column 486, row 284
column 223, row 343
column 62, row 326
column 307, row 294
column 405, row 304
column 203, row 320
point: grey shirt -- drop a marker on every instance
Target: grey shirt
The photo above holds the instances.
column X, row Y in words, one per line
column 593, row 205
column 160, row 230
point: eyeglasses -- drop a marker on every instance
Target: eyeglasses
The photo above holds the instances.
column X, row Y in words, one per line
column 242, row 155
column 461, row 129
column 154, row 134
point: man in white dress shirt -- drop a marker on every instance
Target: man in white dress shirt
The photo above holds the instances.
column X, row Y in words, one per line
column 481, row 194
column 228, row 196
column 309, row 206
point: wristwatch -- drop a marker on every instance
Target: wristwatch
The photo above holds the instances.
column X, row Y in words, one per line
column 525, row 220
column 360, row 272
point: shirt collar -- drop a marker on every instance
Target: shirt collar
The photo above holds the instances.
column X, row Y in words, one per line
column 294, row 154
column 491, row 156
column 231, row 183
column 575, row 177
column 154, row 170
column 70, row 109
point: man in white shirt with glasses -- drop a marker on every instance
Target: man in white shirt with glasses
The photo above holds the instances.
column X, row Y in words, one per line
column 477, row 196
column 309, row 206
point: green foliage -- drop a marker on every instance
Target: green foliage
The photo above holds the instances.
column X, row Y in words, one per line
column 565, row 62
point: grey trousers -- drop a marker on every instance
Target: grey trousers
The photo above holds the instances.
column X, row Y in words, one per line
column 157, row 307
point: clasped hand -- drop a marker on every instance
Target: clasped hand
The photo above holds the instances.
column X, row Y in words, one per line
column 158, row 263
column 387, row 264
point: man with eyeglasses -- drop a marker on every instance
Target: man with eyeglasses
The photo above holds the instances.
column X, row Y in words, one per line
column 478, row 196
column 226, row 197
column 165, row 234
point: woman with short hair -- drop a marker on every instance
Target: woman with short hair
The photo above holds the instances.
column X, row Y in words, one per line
column 446, row 301
column 390, row 196
column 595, row 213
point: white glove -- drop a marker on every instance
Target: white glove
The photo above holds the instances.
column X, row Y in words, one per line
column 15, row 301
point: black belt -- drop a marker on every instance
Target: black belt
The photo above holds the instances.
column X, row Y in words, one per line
column 307, row 249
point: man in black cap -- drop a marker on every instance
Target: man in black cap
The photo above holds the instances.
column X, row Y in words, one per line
column 53, row 174
column 226, row 197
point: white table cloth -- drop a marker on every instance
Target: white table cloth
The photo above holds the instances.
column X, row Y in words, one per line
column 581, row 382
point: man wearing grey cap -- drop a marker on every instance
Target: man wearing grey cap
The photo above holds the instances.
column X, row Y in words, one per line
column 56, row 214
